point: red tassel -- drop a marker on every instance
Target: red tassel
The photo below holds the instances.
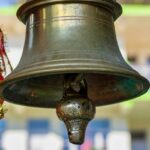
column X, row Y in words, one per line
column 3, row 53
column 3, row 57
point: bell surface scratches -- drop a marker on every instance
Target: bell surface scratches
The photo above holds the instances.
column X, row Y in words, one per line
column 71, row 61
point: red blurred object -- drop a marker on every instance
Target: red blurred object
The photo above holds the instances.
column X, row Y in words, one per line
column 3, row 55
column 1, row 79
column 4, row 61
column 1, row 100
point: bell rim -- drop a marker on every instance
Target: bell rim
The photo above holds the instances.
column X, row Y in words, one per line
column 111, row 5
column 145, row 83
column 72, row 67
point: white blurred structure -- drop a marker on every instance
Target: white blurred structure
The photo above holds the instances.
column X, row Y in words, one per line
column 15, row 140
column 99, row 142
column 119, row 140
column 50, row 141
column 15, row 55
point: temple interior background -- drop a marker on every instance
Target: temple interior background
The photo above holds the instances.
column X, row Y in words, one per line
column 123, row 126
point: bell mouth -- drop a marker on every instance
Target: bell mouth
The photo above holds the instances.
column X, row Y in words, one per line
column 46, row 90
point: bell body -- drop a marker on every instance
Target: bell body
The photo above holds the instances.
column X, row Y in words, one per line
column 64, row 37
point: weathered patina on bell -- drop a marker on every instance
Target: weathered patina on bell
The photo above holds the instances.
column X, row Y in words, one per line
column 73, row 39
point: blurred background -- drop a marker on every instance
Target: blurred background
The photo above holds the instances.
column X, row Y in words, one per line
column 124, row 126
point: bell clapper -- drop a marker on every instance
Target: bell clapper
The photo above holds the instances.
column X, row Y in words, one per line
column 75, row 108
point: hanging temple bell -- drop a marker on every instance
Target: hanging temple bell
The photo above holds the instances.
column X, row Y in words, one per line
column 71, row 61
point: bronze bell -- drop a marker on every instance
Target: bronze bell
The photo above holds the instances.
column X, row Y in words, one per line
column 71, row 60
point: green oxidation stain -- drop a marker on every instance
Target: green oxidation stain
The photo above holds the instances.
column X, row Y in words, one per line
column 129, row 86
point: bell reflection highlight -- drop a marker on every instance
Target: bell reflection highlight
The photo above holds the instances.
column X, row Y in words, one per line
column 71, row 38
